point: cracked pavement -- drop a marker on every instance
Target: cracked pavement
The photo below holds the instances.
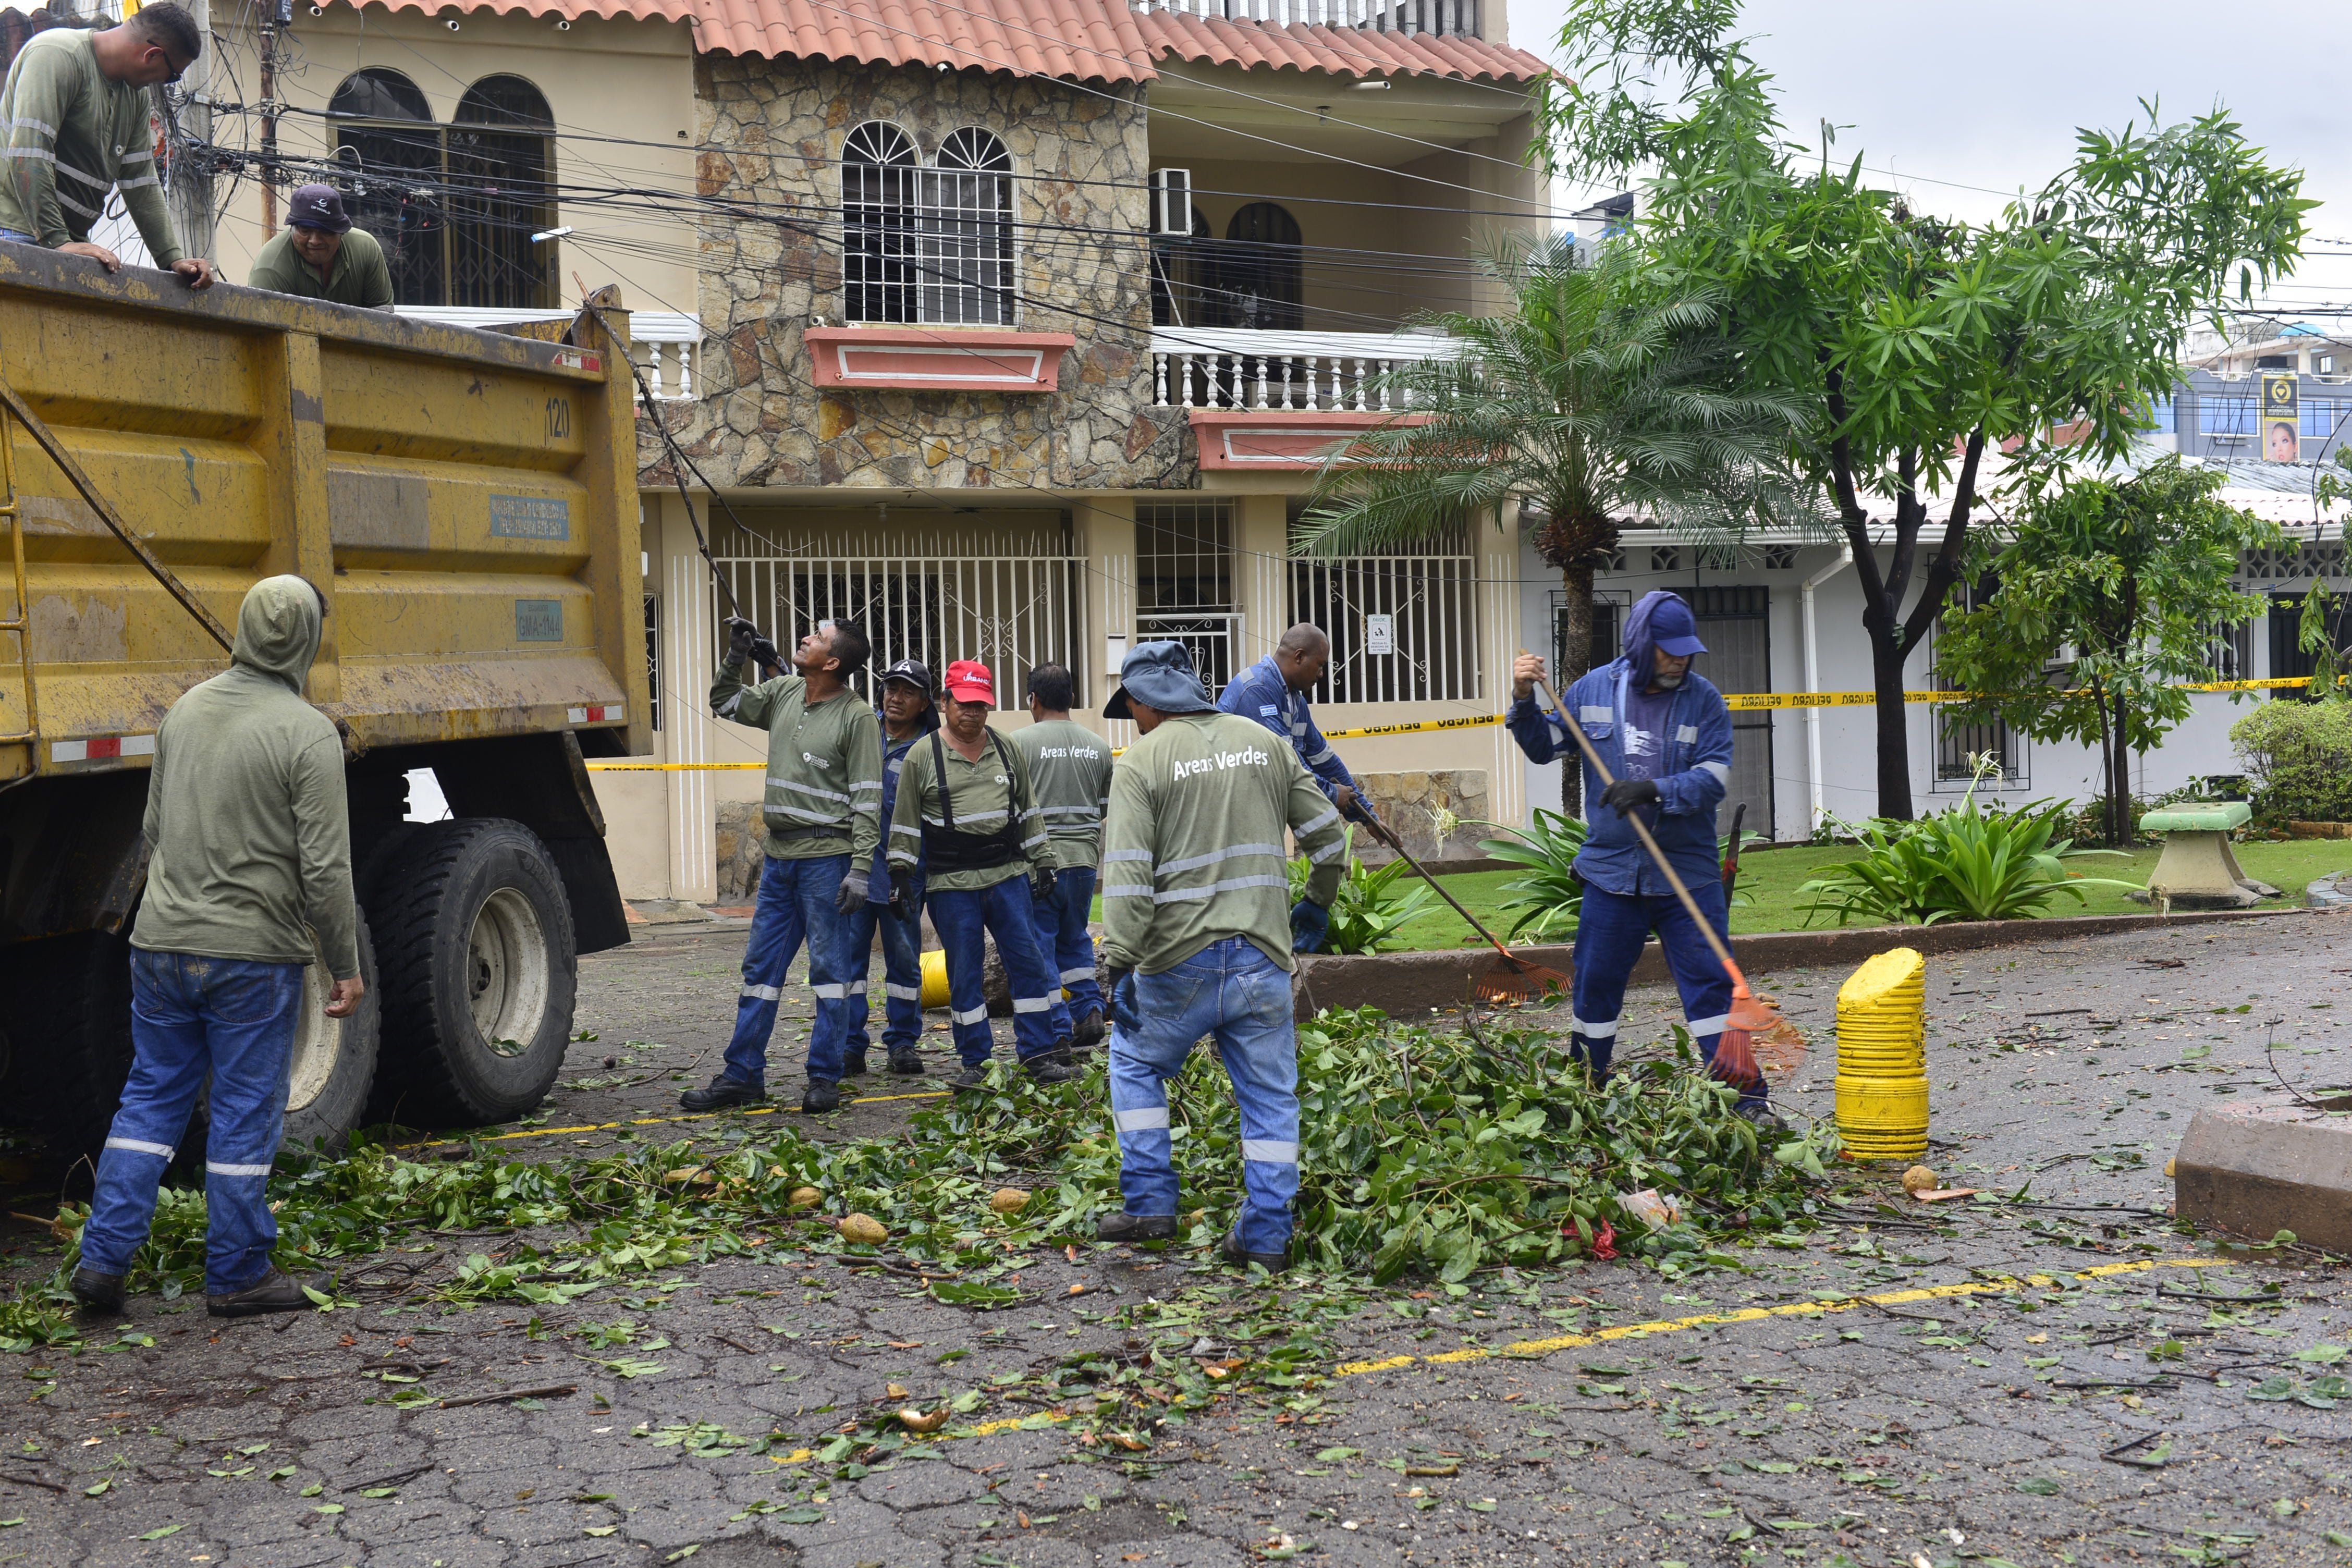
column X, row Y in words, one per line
column 1950, row 1427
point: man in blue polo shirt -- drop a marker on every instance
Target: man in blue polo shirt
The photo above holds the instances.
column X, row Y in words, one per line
column 1273, row 692
column 1664, row 734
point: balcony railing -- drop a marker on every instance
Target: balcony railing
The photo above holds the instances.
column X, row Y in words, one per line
column 1451, row 18
column 1243, row 367
column 665, row 343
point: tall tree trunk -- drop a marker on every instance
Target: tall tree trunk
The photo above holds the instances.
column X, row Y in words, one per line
column 2107, row 767
column 1894, row 726
column 2119, row 791
column 1575, row 660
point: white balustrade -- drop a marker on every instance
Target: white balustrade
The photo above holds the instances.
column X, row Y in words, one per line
column 1241, row 367
column 1451, row 18
column 666, row 344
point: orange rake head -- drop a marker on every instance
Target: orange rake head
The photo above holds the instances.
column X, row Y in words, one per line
column 1513, row 982
column 1751, row 1020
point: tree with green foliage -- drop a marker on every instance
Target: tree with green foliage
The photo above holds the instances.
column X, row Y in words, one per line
column 2110, row 593
column 1923, row 350
column 1595, row 396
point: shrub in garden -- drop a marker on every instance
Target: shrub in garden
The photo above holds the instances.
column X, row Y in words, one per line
column 2299, row 756
column 1372, row 904
column 1966, row 864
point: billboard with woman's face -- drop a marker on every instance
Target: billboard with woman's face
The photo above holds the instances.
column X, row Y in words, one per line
column 2281, row 421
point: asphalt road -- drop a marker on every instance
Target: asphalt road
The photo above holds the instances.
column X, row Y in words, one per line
column 2066, row 1384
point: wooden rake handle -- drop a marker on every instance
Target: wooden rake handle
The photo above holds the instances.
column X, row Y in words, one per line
column 1380, row 832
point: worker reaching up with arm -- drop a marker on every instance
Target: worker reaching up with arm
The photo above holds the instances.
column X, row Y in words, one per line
column 1069, row 767
column 75, row 111
column 1198, row 934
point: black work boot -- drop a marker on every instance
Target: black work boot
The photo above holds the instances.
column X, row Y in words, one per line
column 99, row 1292
column 721, row 1092
column 854, row 1067
column 907, row 1061
column 1272, row 1262
column 276, row 1292
column 1088, row 1031
column 1136, row 1227
column 1762, row 1114
column 822, row 1094
column 972, row 1075
column 1049, row 1067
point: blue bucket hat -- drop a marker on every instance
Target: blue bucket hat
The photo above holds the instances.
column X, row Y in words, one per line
column 1161, row 676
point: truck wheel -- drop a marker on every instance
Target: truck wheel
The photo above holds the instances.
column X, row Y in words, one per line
column 76, row 1001
column 474, row 942
column 334, row 1058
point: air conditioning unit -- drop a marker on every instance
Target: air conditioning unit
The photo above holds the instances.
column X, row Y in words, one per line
column 1172, row 202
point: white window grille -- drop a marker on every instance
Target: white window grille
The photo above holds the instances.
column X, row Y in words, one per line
column 965, row 249
column 1008, row 612
column 1403, row 628
column 878, row 176
column 1184, row 584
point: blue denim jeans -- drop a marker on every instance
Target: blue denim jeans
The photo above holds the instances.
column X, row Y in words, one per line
column 1611, row 930
column 231, row 1020
column 1233, row 992
column 902, row 968
column 1063, row 938
column 1010, row 915
column 795, row 903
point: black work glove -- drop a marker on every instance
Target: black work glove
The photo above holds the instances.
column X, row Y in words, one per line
column 902, row 892
column 1045, row 888
column 1626, row 794
column 1126, row 1012
column 850, row 898
column 744, row 641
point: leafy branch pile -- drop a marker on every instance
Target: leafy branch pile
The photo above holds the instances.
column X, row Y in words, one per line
column 1420, row 1151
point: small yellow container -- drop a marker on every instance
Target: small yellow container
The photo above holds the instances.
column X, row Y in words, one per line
column 935, row 979
column 1882, row 1057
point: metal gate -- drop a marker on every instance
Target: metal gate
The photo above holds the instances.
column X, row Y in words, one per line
column 1735, row 624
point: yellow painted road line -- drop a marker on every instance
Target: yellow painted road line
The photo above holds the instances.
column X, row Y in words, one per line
column 658, row 1121
column 985, row 1429
column 1523, row 1350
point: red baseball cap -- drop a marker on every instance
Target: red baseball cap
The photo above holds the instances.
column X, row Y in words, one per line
column 968, row 681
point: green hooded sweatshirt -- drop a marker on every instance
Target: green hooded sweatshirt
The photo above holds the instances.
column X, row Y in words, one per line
column 248, row 836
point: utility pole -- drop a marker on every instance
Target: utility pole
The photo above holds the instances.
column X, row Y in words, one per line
column 272, row 20
column 189, row 171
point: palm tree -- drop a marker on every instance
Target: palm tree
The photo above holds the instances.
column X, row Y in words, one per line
column 1595, row 397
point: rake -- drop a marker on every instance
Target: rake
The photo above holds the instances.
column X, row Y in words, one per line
column 1735, row 1050
column 1510, row 980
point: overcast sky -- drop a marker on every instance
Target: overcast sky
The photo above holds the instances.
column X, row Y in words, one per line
column 1989, row 94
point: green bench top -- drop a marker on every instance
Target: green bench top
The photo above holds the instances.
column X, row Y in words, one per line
column 2198, row 816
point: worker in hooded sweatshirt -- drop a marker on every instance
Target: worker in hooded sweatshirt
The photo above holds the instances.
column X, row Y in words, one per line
column 1664, row 734
column 965, row 817
column 824, row 815
column 1069, row 767
column 908, row 711
column 1198, row 934
column 249, row 851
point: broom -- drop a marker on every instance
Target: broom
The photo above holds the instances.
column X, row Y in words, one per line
column 1735, row 1050
column 1511, row 979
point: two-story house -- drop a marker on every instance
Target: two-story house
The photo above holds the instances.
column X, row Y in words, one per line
column 1026, row 323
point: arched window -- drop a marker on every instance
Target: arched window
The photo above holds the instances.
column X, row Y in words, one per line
column 878, row 215
column 454, row 208
column 502, row 168
column 966, row 249
column 1259, row 270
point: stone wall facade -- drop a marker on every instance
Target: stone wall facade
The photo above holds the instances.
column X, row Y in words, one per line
column 771, row 265
column 1412, row 806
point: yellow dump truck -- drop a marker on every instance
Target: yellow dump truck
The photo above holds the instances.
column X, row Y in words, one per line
column 467, row 503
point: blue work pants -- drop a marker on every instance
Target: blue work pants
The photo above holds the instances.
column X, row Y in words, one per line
column 1611, row 930
column 1062, row 936
column 902, row 968
column 1010, row 915
column 231, row 1020
column 1235, row 992
column 795, row 904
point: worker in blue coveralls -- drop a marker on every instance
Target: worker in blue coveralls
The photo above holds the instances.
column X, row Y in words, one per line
column 908, row 709
column 1273, row 692
column 1664, row 734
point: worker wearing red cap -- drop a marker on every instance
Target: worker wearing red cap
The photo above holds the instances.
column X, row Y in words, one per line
column 964, row 813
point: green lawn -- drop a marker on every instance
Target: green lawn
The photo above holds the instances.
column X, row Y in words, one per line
column 1770, row 878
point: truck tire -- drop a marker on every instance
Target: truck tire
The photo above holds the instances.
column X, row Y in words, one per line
column 474, row 942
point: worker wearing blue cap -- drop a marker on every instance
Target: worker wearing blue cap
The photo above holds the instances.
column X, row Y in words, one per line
column 1664, row 734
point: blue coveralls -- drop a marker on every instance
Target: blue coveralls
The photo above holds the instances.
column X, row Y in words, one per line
column 1259, row 693
column 902, row 928
column 1625, row 897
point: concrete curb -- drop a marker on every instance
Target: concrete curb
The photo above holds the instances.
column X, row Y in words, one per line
column 1405, row 983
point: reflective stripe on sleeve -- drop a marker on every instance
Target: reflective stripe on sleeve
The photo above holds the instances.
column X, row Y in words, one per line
column 1722, row 774
column 1070, row 974
column 1316, row 823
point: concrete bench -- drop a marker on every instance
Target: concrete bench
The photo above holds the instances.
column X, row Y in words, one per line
column 2197, row 870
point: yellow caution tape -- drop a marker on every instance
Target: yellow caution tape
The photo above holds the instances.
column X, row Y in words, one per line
column 1738, row 701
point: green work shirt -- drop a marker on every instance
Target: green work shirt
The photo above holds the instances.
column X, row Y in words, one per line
column 986, row 795
column 248, row 836
column 1193, row 849
column 825, row 765
column 1069, row 770
column 74, row 136
column 359, row 276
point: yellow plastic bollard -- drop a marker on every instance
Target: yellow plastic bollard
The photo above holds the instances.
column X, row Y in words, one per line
column 1882, row 1057
column 935, row 978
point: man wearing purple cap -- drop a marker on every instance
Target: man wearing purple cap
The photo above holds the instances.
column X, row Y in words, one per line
column 320, row 256
column 1664, row 734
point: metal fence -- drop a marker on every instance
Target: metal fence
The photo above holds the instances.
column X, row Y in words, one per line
column 1010, row 613
column 1403, row 628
